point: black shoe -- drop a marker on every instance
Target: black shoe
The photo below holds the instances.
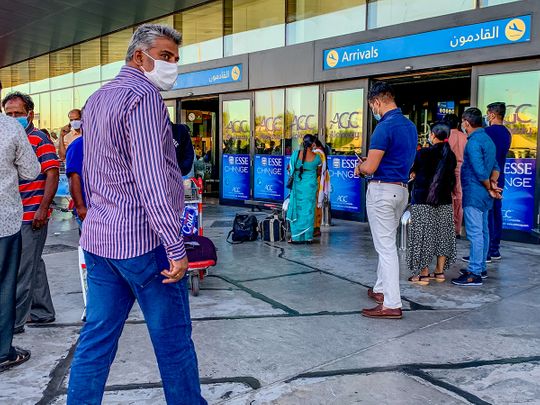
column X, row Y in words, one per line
column 465, row 272
column 20, row 357
column 466, row 259
column 18, row 330
column 47, row 320
column 495, row 256
column 468, row 280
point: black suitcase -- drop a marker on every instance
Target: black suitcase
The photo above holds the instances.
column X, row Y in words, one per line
column 272, row 229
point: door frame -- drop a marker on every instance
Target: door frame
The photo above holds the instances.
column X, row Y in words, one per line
column 504, row 68
column 354, row 84
column 245, row 95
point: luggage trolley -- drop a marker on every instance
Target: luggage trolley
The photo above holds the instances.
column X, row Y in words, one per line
column 193, row 192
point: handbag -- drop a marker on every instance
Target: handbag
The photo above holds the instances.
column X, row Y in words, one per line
column 290, row 181
column 244, row 228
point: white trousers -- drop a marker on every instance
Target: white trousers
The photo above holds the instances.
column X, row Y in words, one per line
column 385, row 205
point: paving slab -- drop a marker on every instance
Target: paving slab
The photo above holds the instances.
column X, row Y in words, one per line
column 497, row 384
column 380, row 388
column 25, row 384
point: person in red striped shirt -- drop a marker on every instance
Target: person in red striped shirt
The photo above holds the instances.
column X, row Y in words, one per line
column 34, row 303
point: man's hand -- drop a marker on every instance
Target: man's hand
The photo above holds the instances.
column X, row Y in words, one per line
column 64, row 131
column 40, row 218
column 495, row 193
column 357, row 171
column 81, row 212
column 176, row 272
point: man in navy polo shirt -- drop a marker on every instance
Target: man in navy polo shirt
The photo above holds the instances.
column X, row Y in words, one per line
column 390, row 158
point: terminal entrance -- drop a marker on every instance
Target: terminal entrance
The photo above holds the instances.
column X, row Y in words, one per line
column 426, row 98
column 201, row 115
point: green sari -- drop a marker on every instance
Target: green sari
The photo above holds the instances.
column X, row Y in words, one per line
column 303, row 199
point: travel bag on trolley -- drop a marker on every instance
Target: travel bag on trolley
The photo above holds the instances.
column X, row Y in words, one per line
column 200, row 250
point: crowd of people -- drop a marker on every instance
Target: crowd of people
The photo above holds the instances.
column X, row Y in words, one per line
column 461, row 174
column 129, row 200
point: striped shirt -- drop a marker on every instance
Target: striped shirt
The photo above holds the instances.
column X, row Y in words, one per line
column 32, row 192
column 133, row 185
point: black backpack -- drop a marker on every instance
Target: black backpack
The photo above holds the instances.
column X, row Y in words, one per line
column 244, row 228
column 183, row 146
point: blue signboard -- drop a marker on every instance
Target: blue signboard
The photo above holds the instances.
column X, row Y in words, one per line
column 518, row 196
column 344, row 185
column 209, row 77
column 492, row 33
column 236, row 177
column 445, row 107
column 268, row 179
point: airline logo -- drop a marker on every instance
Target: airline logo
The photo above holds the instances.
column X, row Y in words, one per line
column 332, row 58
column 515, row 29
column 235, row 73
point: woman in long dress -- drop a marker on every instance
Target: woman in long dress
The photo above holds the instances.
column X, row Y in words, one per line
column 304, row 167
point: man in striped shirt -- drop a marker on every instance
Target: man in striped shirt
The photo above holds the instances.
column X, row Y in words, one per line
column 132, row 231
column 34, row 302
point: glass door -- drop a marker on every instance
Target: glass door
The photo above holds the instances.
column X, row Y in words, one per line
column 236, row 125
column 345, row 124
column 517, row 85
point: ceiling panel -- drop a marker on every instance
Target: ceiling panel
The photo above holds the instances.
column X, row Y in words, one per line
column 29, row 28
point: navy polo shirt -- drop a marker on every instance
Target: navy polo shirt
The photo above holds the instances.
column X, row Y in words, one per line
column 397, row 136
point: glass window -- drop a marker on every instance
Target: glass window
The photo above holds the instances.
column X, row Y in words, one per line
column 388, row 12
column 236, row 128
column 344, row 112
column 62, row 104
column 202, row 33
column 520, row 92
column 61, row 68
column 253, row 25
column 5, row 78
column 487, row 3
column 44, row 110
column 87, row 61
column 301, row 116
column 20, row 77
column 309, row 20
column 269, row 108
column 113, row 52
column 82, row 93
column 39, row 74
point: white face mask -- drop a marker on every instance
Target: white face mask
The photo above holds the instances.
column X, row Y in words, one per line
column 163, row 75
column 76, row 124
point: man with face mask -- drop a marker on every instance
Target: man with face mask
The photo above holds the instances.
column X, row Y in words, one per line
column 479, row 175
column 70, row 132
column 391, row 155
column 17, row 161
column 132, row 237
column 34, row 303
column 502, row 138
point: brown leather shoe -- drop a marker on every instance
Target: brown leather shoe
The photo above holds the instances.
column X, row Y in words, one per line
column 378, row 297
column 379, row 312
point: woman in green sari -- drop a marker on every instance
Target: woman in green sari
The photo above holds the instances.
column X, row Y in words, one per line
column 304, row 167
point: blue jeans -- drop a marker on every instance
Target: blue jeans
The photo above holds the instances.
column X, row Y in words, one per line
column 113, row 286
column 476, row 222
column 495, row 227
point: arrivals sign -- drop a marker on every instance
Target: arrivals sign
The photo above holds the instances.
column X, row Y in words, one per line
column 344, row 185
column 518, row 196
column 209, row 77
column 236, row 177
column 499, row 32
column 268, row 179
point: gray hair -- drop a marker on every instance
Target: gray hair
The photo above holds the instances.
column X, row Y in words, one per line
column 146, row 34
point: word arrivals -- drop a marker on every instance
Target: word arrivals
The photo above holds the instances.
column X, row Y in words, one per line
column 360, row 55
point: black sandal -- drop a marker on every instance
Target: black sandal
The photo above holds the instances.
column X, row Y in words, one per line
column 21, row 356
column 422, row 280
column 433, row 276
